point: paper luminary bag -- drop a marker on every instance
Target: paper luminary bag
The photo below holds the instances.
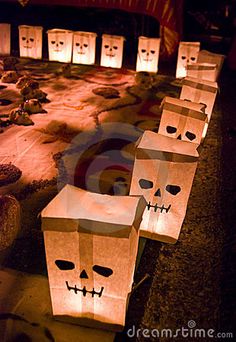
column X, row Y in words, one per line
column 91, row 246
column 84, row 47
column 60, row 45
column 163, row 173
column 30, row 41
column 5, row 39
column 112, row 51
column 148, row 54
column 182, row 120
column 187, row 54
column 204, row 71
column 205, row 56
column 201, row 91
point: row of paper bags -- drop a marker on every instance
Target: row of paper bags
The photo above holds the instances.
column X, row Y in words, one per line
column 91, row 239
column 80, row 47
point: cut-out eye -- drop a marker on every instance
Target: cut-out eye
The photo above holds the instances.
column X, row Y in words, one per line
column 106, row 46
column 85, row 45
column 171, row 129
column 77, row 44
column 104, row 271
column 53, row 41
column 190, row 136
column 187, row 100
column 143, row 50
column 115, row 47
column 183, row 57
column 23, row 38
column 145, row 184
column 173, row 189
column 65, row 265
column 31, row 39
column 193, row 58
column 61, row 43
column 152, row 51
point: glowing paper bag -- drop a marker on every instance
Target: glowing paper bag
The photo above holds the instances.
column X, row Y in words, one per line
column 60, row 45
column 182, row 120
column 5, row 39
column 204, row 71
column 84, row 47
column 187, row 54
column 30, row 41
column 205, row 56
column 201, row 91
column 148, row 54
column 91, row 245
column 163, row 173
column 112, row 51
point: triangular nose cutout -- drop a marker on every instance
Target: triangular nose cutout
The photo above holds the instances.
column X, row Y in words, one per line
column 179, row 137
column 158, row 193
column 83, row 274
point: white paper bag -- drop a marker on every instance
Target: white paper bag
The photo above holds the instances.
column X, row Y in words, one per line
column 187, row 54
column 205, row 56
column 148, row 54
column 91, row 245
column 112, row 51
column 182, row 120
column 30, row 41
column 5, row 39
column 163, row 173
column 60, row 45
column 201, row 91
column 204, row 71
column 84, row 47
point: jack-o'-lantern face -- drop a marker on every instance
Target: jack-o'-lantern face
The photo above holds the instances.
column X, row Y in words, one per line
column 57, row 44
column 182, row 120
column 5, row 39
column 60, row 45
column 187, row 54
column 80, row 278
column 112, row 51
column 165, row 183
column 30, row 40
column 166, row 187
column 148, row 54
column 85, row 278
column 91, row 262
column 84, row 47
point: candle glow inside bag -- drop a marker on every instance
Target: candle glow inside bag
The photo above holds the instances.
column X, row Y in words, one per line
column 112, row 51
column 163, row 173
column 187, row 54
column 148, row 54
column 91, row 245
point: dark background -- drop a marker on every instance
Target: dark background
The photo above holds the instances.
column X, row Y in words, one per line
column 210, row 21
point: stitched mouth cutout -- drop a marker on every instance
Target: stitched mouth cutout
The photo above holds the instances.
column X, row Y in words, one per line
column 84, row 291
column 147, row 59
column 110, row 54
column 81, row 53
column 156, row 207
column 27, row 47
